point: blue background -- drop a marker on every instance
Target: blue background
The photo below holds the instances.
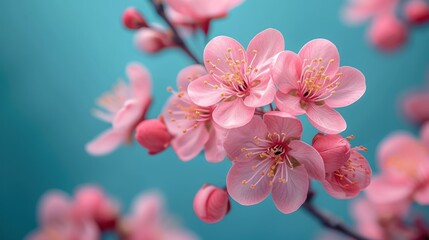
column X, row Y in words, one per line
column 57, row 57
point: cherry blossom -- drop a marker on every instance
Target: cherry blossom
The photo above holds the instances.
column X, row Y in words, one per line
column 211, row 203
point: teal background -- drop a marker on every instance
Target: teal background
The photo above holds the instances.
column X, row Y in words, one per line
column 57, row 57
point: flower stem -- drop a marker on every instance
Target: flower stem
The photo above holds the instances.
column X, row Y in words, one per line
column 328, row 221
column 160, row 10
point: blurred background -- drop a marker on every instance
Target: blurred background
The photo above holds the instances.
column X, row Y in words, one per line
column 57, row 57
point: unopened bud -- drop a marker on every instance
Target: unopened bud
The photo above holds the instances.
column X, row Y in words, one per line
column 132, row 19
column 387, row 33
column 152, row 40
column 153, row 135
column 211, row 203
column 417, row 11
column 334, row 149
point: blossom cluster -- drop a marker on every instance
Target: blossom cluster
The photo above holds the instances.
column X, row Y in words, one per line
column 91, row 213
column 391, row 19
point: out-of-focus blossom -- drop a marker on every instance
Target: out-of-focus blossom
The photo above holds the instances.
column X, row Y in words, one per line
column 239, row 80
column 200, row 12
column 124, row 107
column 381, row 221
column 211, row 203
column 148, row 221
column 268, row 156
column 347, row 171
column 387, row 32
column 417, row 11
column 153, row 40
column 132, row 19
column 192, row 125
column 415, row 106
column 404, row 163
column 90, row 202
column 153, row 135
column 357, row 11
column 425, row 134
column 312, row 82
column 56, row 220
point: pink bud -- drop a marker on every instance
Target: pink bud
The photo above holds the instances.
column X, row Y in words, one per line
column 387, row 33
column 334, row 149
column 132, row 19
column 211, row 203
column 153, row 135
column 152, row 40
column 417, row 11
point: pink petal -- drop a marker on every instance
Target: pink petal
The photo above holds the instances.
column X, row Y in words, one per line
column 200, row 10
column 324, row 49
column 148, row 208
column 325, row 119
column 141, row 84
column 129, row 114
column 415, row 106
column 422, row 195
column 54, row 208
column 281, row 122
column 237, row 138
column 218, row 50
column 106, row 142
column 366, row 216
column 288, row 103
column 104, row 116
column 188, row 145
column 351, row 88
column 202, row 91
column 309, row 157
column 261, row 95
column 289, row 196
column 189, row 74
column 214, row 150
column 384, row 190
column 425, row 134
column 174, row 116
column 338, row 192
column 286, row 71
column 267, row 44
column 243, row 192
column 232, row 114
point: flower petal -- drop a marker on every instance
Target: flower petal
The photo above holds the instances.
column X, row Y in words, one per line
column 232, row 114
column 188, row 145
column 189, row 74
column 106, row 142
column 415, row 106
column 351, row 88
column 324, row 49
column 385, row 190
column 289, row 196
column 309, row 157
column 325, row 119
column 245, row 183
column 213, row 149
column 129, row 114
column 286, row 71
column 54, row 208
column 338, row 192
column 141, row 85
column 281, row 122
column 203, row 92
column 288, row 103
column 261, row 95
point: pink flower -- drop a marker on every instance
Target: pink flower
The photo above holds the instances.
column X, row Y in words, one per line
column 357, row 11
column 153, row 40
column 417, row 11
column 125, row 107
column 152, row 134
column 203, row 11
column 347, row 171
column 148, row 221
column 57, row 222
column 404, row 163
column 132, row 19
column 414, row 106
column 312, row 82
column 211, row 203
column 268, row 156
column 238, row 80
column 387, row 33
column 192, row 125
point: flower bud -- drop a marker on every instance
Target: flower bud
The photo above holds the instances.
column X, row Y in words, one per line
column 417, row 11
column 153, row 135
column 211, row 203
column 387, row 33
column 152, row 40
column 334, row 149
column 132, row 19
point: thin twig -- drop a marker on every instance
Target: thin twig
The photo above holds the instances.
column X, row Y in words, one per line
column 160, row 10
column 328, row 221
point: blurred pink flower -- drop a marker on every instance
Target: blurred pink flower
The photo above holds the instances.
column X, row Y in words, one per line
column 415, row 106
column 132, row 19
column 124, row 107
column 153, row 135
column 417, row 11
column 211, row 203
column 387, row 32
column 192, row 125
column 357, row 11
column 153, row 40
column 268, row 156
column 239, row 80
column 201, row 11
column 425, row 134
column 404, row 163
column 148, row 221
column 312, row 82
